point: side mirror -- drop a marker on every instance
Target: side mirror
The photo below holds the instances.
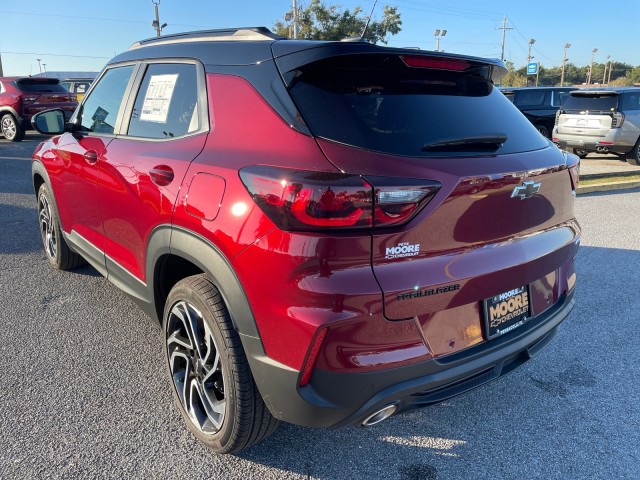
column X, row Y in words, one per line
column 49, row 122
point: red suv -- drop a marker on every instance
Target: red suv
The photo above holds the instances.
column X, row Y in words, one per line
column 23, row 97
column 328, row 232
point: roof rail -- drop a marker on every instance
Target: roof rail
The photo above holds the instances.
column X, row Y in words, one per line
column 219, row 35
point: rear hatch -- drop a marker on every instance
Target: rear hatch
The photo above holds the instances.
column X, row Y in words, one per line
column 588, row 113
column 44, row 93
column 498, row 219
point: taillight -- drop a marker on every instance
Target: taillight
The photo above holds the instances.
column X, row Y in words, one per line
column 557, row 117
column 419, row 61
column 617, row 120
column 300, row 200
column 29, row 98
column 573, row 165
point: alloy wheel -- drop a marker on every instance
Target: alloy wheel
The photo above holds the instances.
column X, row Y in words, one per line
column 9, row 129
column 47, row 227
column 196, row 367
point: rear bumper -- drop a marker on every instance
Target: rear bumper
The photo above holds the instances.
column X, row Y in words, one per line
column 336, row 399
column 613, row 142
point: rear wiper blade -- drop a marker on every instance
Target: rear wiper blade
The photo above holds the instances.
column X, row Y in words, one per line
column 483, row 142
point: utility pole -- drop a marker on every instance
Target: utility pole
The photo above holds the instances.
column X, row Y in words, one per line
column 156, row 23
column 295, row 20
column 504, row 29
column 593, row 52
column 610, row 68
column 564, row 62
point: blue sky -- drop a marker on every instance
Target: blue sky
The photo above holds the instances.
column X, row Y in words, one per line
column 82, row 36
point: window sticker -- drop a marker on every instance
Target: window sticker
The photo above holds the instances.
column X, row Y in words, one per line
column 156, row 102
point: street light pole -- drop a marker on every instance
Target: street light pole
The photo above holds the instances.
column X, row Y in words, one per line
column 564, row 62
column 529, row 57
column 39, row 66
column 439, row 34
column 610, row 68
column 593, row 52
column 606, row 63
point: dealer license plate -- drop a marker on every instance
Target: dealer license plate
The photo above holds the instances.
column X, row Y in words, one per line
column 506, row 311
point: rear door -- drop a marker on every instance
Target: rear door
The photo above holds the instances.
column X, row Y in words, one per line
column 588, row 114
column 44, row 93
column 501, row 217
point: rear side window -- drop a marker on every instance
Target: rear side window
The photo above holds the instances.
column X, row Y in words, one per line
column 630, row 101
column 529, row 99
column 100, row 110
column 378, row 103
column 594, row 102
column 29, row 85
column 166, row 104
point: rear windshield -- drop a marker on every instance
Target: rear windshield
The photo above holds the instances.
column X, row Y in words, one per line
column 595, row 102
column 377, row 103
column 32, row 85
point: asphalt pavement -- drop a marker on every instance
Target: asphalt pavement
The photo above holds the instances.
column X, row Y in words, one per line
column 84, row 394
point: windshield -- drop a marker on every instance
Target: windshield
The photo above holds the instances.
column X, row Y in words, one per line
column 377, row 102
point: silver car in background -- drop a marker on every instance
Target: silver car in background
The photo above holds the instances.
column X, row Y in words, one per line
column 606, row 120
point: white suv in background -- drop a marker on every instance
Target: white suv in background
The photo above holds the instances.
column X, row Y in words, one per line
column 604, row 120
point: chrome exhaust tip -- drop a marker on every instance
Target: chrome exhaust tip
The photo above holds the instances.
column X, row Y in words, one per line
column 380, row 415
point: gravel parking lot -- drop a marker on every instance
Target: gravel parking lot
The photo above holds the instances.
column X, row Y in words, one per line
column 84, row 394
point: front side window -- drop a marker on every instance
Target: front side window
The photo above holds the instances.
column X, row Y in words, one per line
column 100, row 110
column 167, row 103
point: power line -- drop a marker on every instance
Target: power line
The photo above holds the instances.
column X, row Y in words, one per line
column 77, row 17
column 53, row 55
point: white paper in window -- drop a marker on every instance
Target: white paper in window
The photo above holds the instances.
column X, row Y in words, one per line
column 156, row 102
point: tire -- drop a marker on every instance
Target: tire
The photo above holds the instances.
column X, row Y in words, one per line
column 211, row 381
column 543, row 130
column 633, row 157
column 580, row 152
column 58, row 253
column 10, row 128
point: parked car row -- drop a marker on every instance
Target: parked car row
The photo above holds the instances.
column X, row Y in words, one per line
column 539, row 104
column 317, row 249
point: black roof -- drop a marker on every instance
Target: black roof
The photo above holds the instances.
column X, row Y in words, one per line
column 253, row 45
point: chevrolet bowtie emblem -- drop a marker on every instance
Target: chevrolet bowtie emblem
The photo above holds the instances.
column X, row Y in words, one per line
column 526, row 190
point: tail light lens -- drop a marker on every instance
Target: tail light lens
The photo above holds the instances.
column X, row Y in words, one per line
column 29, row 98
column 557, row 117
column 573, row 165
column 299, row 200
column 617, row 120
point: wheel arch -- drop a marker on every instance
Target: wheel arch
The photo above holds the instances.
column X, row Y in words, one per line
column 175, row 253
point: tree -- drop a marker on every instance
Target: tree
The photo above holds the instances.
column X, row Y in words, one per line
column 319, row 21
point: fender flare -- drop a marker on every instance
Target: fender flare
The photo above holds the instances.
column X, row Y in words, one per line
column 208, row 258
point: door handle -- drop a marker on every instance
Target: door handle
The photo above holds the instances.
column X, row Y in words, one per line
column 91, row 156
column 161, row 175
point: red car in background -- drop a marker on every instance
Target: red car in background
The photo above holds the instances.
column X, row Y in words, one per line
column 328, row 232
column 23, row 97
